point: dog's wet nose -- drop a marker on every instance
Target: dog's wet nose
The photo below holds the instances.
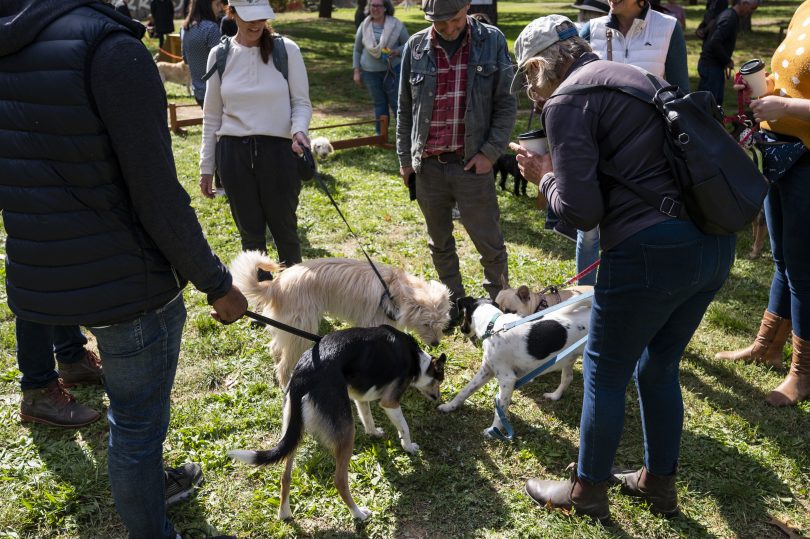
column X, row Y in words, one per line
column 434, row 342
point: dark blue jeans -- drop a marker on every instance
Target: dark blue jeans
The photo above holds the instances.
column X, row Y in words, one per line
column 786, row 210
column 712, row 79
column 383, row 86
column 140, row 361
column 36, row 346
column 651, row 293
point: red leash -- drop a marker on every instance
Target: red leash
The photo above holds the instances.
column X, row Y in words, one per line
column 576, row 277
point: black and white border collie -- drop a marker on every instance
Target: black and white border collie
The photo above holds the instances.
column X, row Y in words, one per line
column 514, row 353
column 360, row 364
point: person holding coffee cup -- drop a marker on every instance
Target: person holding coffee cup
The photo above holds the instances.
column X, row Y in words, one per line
column 652, row 289
column 784, row 113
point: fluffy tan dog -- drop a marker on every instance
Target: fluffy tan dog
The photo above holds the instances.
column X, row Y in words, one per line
column 347, row 289
column 524, row 302
column 177, row 73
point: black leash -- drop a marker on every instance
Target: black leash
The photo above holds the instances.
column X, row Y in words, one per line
column 284, row 327
column 309, row 158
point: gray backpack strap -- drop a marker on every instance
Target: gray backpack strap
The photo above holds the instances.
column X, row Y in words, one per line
column 280, row 56
column 222, row 57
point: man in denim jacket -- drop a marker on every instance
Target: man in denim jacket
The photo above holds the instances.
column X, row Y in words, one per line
column 455, row 118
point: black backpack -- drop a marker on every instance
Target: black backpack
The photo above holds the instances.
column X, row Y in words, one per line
column 279, row 57
column 721, row 188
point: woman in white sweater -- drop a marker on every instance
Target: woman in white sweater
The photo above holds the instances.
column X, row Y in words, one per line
column 254, row 121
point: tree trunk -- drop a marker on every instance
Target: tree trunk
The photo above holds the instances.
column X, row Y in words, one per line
column 325, row 9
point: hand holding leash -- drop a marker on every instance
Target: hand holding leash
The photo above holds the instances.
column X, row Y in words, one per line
column 230, row 307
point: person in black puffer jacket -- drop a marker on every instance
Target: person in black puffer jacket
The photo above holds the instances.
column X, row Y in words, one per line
column 100, row 232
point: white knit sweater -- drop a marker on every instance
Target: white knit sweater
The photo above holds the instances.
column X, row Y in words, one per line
column 253, row 99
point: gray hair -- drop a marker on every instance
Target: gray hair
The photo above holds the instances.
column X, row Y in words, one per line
column 545, row 71
column 389, row 8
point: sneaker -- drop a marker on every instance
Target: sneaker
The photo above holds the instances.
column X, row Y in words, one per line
column 455, row 213
column 195, row 533
column 85, row 371
column 54, row 405
column 181, row 482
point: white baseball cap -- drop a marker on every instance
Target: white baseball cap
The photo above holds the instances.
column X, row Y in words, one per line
column 539, row 35
column 253, row 10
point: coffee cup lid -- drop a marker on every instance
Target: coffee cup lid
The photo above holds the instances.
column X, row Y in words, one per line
column 539, row 133
column 752, row 66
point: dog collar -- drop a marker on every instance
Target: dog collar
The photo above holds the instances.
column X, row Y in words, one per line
column 488, row 332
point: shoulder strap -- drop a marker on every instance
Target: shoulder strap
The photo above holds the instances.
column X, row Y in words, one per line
column 280, row 56
column 665, row 205
column 222, row 57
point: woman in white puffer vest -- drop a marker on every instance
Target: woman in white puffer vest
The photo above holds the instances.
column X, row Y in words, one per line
column 635, row 32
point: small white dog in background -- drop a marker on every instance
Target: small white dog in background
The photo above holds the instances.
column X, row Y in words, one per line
column 176, row 72
column 321, row 147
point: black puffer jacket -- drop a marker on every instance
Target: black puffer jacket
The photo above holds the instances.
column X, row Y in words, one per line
column 85, row 245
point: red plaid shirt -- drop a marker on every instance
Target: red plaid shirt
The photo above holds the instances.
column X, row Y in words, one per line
column 446, row 133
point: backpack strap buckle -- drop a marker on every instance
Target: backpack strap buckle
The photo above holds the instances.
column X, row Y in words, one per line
column 671, row 207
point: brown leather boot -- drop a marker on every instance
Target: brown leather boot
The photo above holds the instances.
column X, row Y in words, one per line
column 85, row 371
column 796, row 386
column 768, row 346
column 658, row 490
column 55, row 406
column 587, row 498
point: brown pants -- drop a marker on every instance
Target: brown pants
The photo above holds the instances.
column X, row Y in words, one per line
column 438, row 187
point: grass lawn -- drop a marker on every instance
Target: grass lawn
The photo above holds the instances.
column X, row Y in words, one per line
column 742, row 462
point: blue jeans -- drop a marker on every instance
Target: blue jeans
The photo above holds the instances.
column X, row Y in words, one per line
column 383, row 87
column 651, row 293
column 587, row 253
column 788, row 222
column 36, row 346
column 140, row 361
column 712, row 79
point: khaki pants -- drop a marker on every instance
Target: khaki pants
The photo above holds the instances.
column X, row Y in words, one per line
column 438, row 187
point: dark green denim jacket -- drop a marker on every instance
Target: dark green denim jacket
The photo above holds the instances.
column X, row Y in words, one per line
column 491, row 108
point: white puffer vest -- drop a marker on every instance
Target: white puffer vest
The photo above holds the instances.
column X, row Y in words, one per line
column 645, row 45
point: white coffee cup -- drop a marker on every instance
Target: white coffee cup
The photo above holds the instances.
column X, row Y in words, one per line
column 534, row 141
column 753, row 71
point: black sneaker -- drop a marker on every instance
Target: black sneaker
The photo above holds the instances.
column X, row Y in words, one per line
column 201, row 534
column 182, row 481
column 565, row 231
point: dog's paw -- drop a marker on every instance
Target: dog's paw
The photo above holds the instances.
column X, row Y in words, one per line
column 361, row 513
column 410, row 447
column 284, row 513
column 552, row 396
column 447, row 407
column 376, row 433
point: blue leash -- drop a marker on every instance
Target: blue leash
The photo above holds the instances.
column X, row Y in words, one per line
column 507, row 436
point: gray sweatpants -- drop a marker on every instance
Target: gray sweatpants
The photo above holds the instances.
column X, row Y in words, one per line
column 260, row 175
column 440, row 186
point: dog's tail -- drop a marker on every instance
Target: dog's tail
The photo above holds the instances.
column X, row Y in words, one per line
column 253, row 274
column 293, row 429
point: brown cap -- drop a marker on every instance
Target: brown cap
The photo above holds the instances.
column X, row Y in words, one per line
column 442, row 10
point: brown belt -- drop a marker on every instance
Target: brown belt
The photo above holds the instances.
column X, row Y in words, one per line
column 448, row 157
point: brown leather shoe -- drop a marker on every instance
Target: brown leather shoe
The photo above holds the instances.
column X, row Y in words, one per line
column 658, row 490
column 55, row 406
column 768, row 346
column 587, row 498
column 796, row 385
column 85, row 371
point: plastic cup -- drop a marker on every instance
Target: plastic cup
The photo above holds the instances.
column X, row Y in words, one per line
column 534, row 141
column 753, row 71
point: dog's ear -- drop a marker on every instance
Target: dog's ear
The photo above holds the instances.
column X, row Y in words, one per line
column 389, row 307
column 523, row 293
column 436, row 369
column 263, row 275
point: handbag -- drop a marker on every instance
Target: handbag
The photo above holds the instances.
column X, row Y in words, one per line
column 779, row 153
column 306, row 165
